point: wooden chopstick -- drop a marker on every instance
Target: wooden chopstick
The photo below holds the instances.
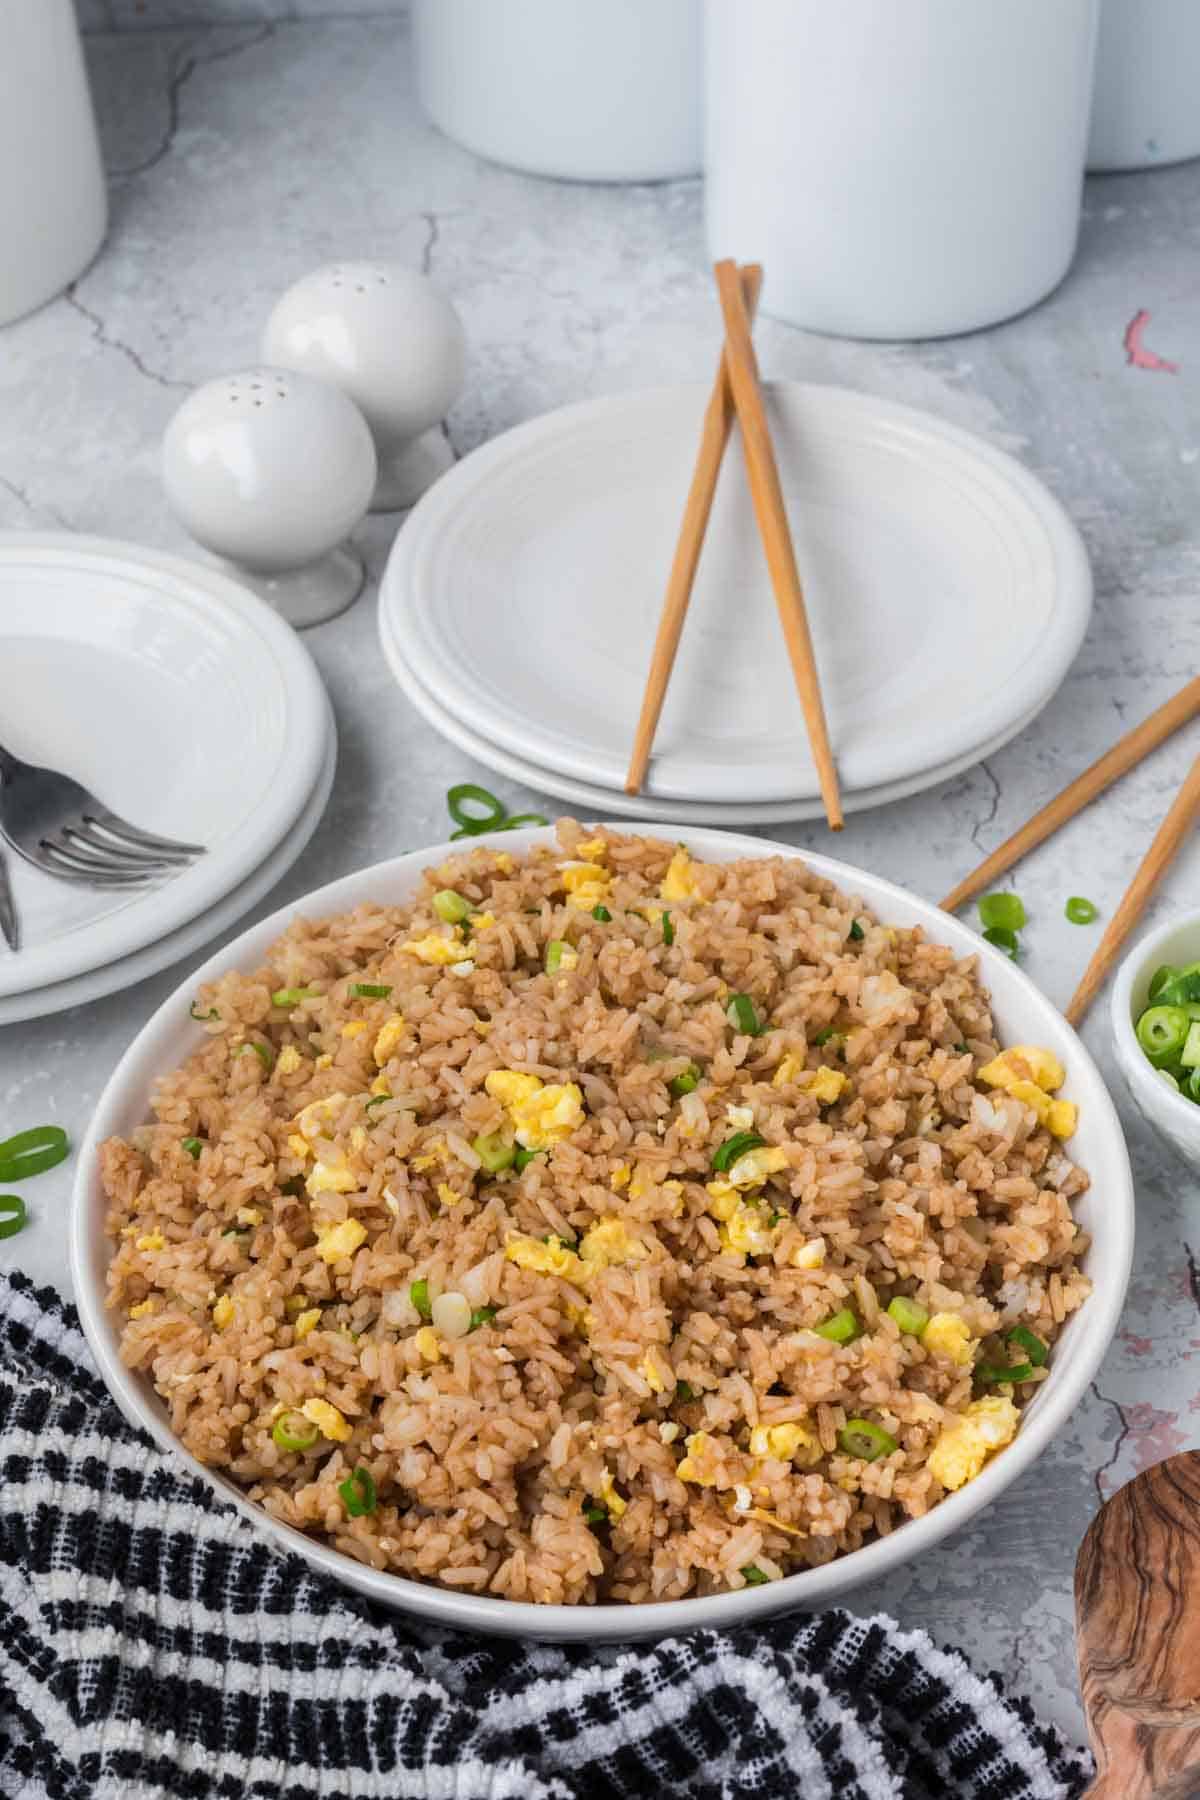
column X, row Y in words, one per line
column 1155, row 863
column 718, row 423
column 1124, row 755
column 771, row 513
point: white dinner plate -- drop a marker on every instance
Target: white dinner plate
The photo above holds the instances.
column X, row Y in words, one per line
column 114, row 977
column 947, row 590
column 177, row 697
column 597, row 802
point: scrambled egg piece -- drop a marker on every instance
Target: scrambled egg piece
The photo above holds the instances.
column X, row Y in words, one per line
column 770, row 1518
column 428, row 1344
column 481, row 920
column 315, row 1118
column 741, row 1118
column 305, row 1322
column 150, row 1240
column 289, row 1060
column 1031, row 1074
column 649, row 1370
column 447, row 1195
column 544, row 1259
column 141, row 1309
column 810, row 1255
column 746, row 1233
column 328, row 1420
column 791, row 1066
column 620, row 1176
column 297, row 1145
column 586, row 883
column 336, row 1241
column 964, row 1447
column 784, row 1441
column 609, row 1497
column 541, row 1115
column 752, row 1169
column 679, row 883
column 504, row 862
column 323, row 1062
column 608, row 1242
column 331, row 1178
column 435, row 948
column 249, row 1215
column 692, row 1468
column 388, row 1037
column 354, row 1028
column 826, row 1085
column 950, row 1336
column 593, row 851
column 222, row 1312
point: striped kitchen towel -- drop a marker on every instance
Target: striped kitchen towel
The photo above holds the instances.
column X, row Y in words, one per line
column 152, row 1645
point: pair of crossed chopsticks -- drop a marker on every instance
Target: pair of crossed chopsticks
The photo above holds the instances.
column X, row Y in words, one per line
column 736, row 392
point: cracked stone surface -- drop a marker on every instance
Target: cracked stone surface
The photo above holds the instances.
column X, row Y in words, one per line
column 246, row 153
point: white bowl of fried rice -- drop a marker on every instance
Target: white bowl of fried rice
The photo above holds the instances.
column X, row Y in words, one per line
column 571, row 1234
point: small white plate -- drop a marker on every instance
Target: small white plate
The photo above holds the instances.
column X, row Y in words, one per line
column 178, row 698
column 947, row 590
column 597, row 801
column 114, row 977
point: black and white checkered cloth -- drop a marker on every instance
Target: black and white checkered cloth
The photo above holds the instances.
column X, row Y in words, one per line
column 152, row 1645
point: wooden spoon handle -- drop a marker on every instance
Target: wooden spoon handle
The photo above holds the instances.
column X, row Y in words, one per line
column 1142, row 1763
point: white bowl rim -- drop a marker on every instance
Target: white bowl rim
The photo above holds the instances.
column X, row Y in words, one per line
column 645, row 1619
column 1121, row 1003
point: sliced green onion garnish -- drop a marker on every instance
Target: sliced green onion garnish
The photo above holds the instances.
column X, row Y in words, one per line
column 1081, row 911
column 686, row 1082
column 909, row 1315
column 467, row 795
column 418, row 1293
column 375, row 1100
column 1004, row 910
column 741, row 1013
column 856, row 932
column 1030, row 1343
column 450, row 906
column 13, row 1215
column 358, row 1493
column 515, row 821
column 264, row 1053
column 753, row 1576
column 370, row 990
column 841, row 1328
column 724, row 1157
column 1162, row 1032
column 554, row 955
column 829, row 1036
column 483, row 1315
column 992, row 1374
column 293, row 996
column 522, row 1158
column 685, row 1392
column 494, row 1152
column 193, row 1146
column 292, row 1431
column 594, row 1513
column 867, row 1441
column 203, row 1017
column 602, row 914
column 32, row 1152
column 1003, row 939
column 668, row 930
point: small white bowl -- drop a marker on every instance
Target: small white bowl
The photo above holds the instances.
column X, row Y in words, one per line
column 1171, row 1114
column 1022, row 1015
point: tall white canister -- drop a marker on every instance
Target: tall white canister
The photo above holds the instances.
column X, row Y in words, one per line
column 1147, row 105
column 902, row 170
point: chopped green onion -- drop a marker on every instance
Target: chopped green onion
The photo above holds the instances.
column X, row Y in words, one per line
column 1158, row 981
column 1081, row 911
column 494, row 1152
column 13, row 1215
column 515, row 821
column 909, row 1315
column 467, row 794
column 963, row 1048
column 594, row 1513
column 1162, row 1032
column 685, row 1392
column 1189, row 1056
column 554, row 955
column 1034, row 1348
column 856, row 933
column 1004, row 910
column 841, row 1327
column 668, row 930
column 829, row 1036
column 203, row 1017
column 522, row 1158
column 1003, row 939
column 236, row 1231
column 1182, row 986
column 1166, row 1075
column 483, row 1315
column 724, row 1157
column 358, row 1493
column 602, row 914
column 1191, row 1086
column 193, row 1146
column 418, row 1293
column 292, row 1431
column 370, row 990
column 861, row 1438
column 753, row 1576
column 293, row 996
column 450, row 906
column 740, row 1012
column 32, row 1152
column 264, row 1053
column 686, row 1082
column 992, row 1374
column 375, row 1100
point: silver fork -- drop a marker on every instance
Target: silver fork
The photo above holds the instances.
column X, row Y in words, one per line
column 63, row 830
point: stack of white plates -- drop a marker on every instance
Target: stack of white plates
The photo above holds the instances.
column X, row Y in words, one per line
column 947, row 592
column 189, row 708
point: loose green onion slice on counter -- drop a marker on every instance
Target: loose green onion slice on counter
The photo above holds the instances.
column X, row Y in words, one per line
column 450, row 906
column 1162, row 1032
column 292, row 1431
column 293, row 996
column 358, row 1493
column 602, row 914
column 994, row 1374
column 483, row 1315
column 867, row 1441
column 840, row 1328
column 370, row 990
column 742, row 1015
column 418, row 1293
column 856, row 934
column 193, row 1146
column 686, row 1082
column 1081, row 911
column 668, row 930
column 1004, row 910
column 1003, row 939
column 494, row 1152
column 515, row 821
column 522, row 1158
column 1030, row 1343
column 14, row 1215
column 753, row 1576
column 724, row 1157
column 32, row 1152
column 909, row 1315
column 474, row 808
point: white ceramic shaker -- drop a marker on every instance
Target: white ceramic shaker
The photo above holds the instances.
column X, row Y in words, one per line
column 589, row 90
column 271, row 470
column 394, row 344
column 53, row 201
column 1146, row 109
column 902, row 168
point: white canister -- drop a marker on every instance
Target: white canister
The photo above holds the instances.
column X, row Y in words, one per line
column 1147, row 104
column 53, row 203
column 589, row 90
column 901, row 170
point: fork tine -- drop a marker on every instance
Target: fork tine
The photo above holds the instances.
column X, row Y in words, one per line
column 144, row 840
column 89, row 845
column 56, row 861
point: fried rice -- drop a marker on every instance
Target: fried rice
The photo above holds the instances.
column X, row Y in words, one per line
column 537, row 1238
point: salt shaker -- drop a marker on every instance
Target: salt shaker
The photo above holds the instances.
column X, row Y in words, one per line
column 394, row 344
column 271, row 470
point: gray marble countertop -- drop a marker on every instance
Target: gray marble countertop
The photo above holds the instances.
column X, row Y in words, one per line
column 243, row 155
